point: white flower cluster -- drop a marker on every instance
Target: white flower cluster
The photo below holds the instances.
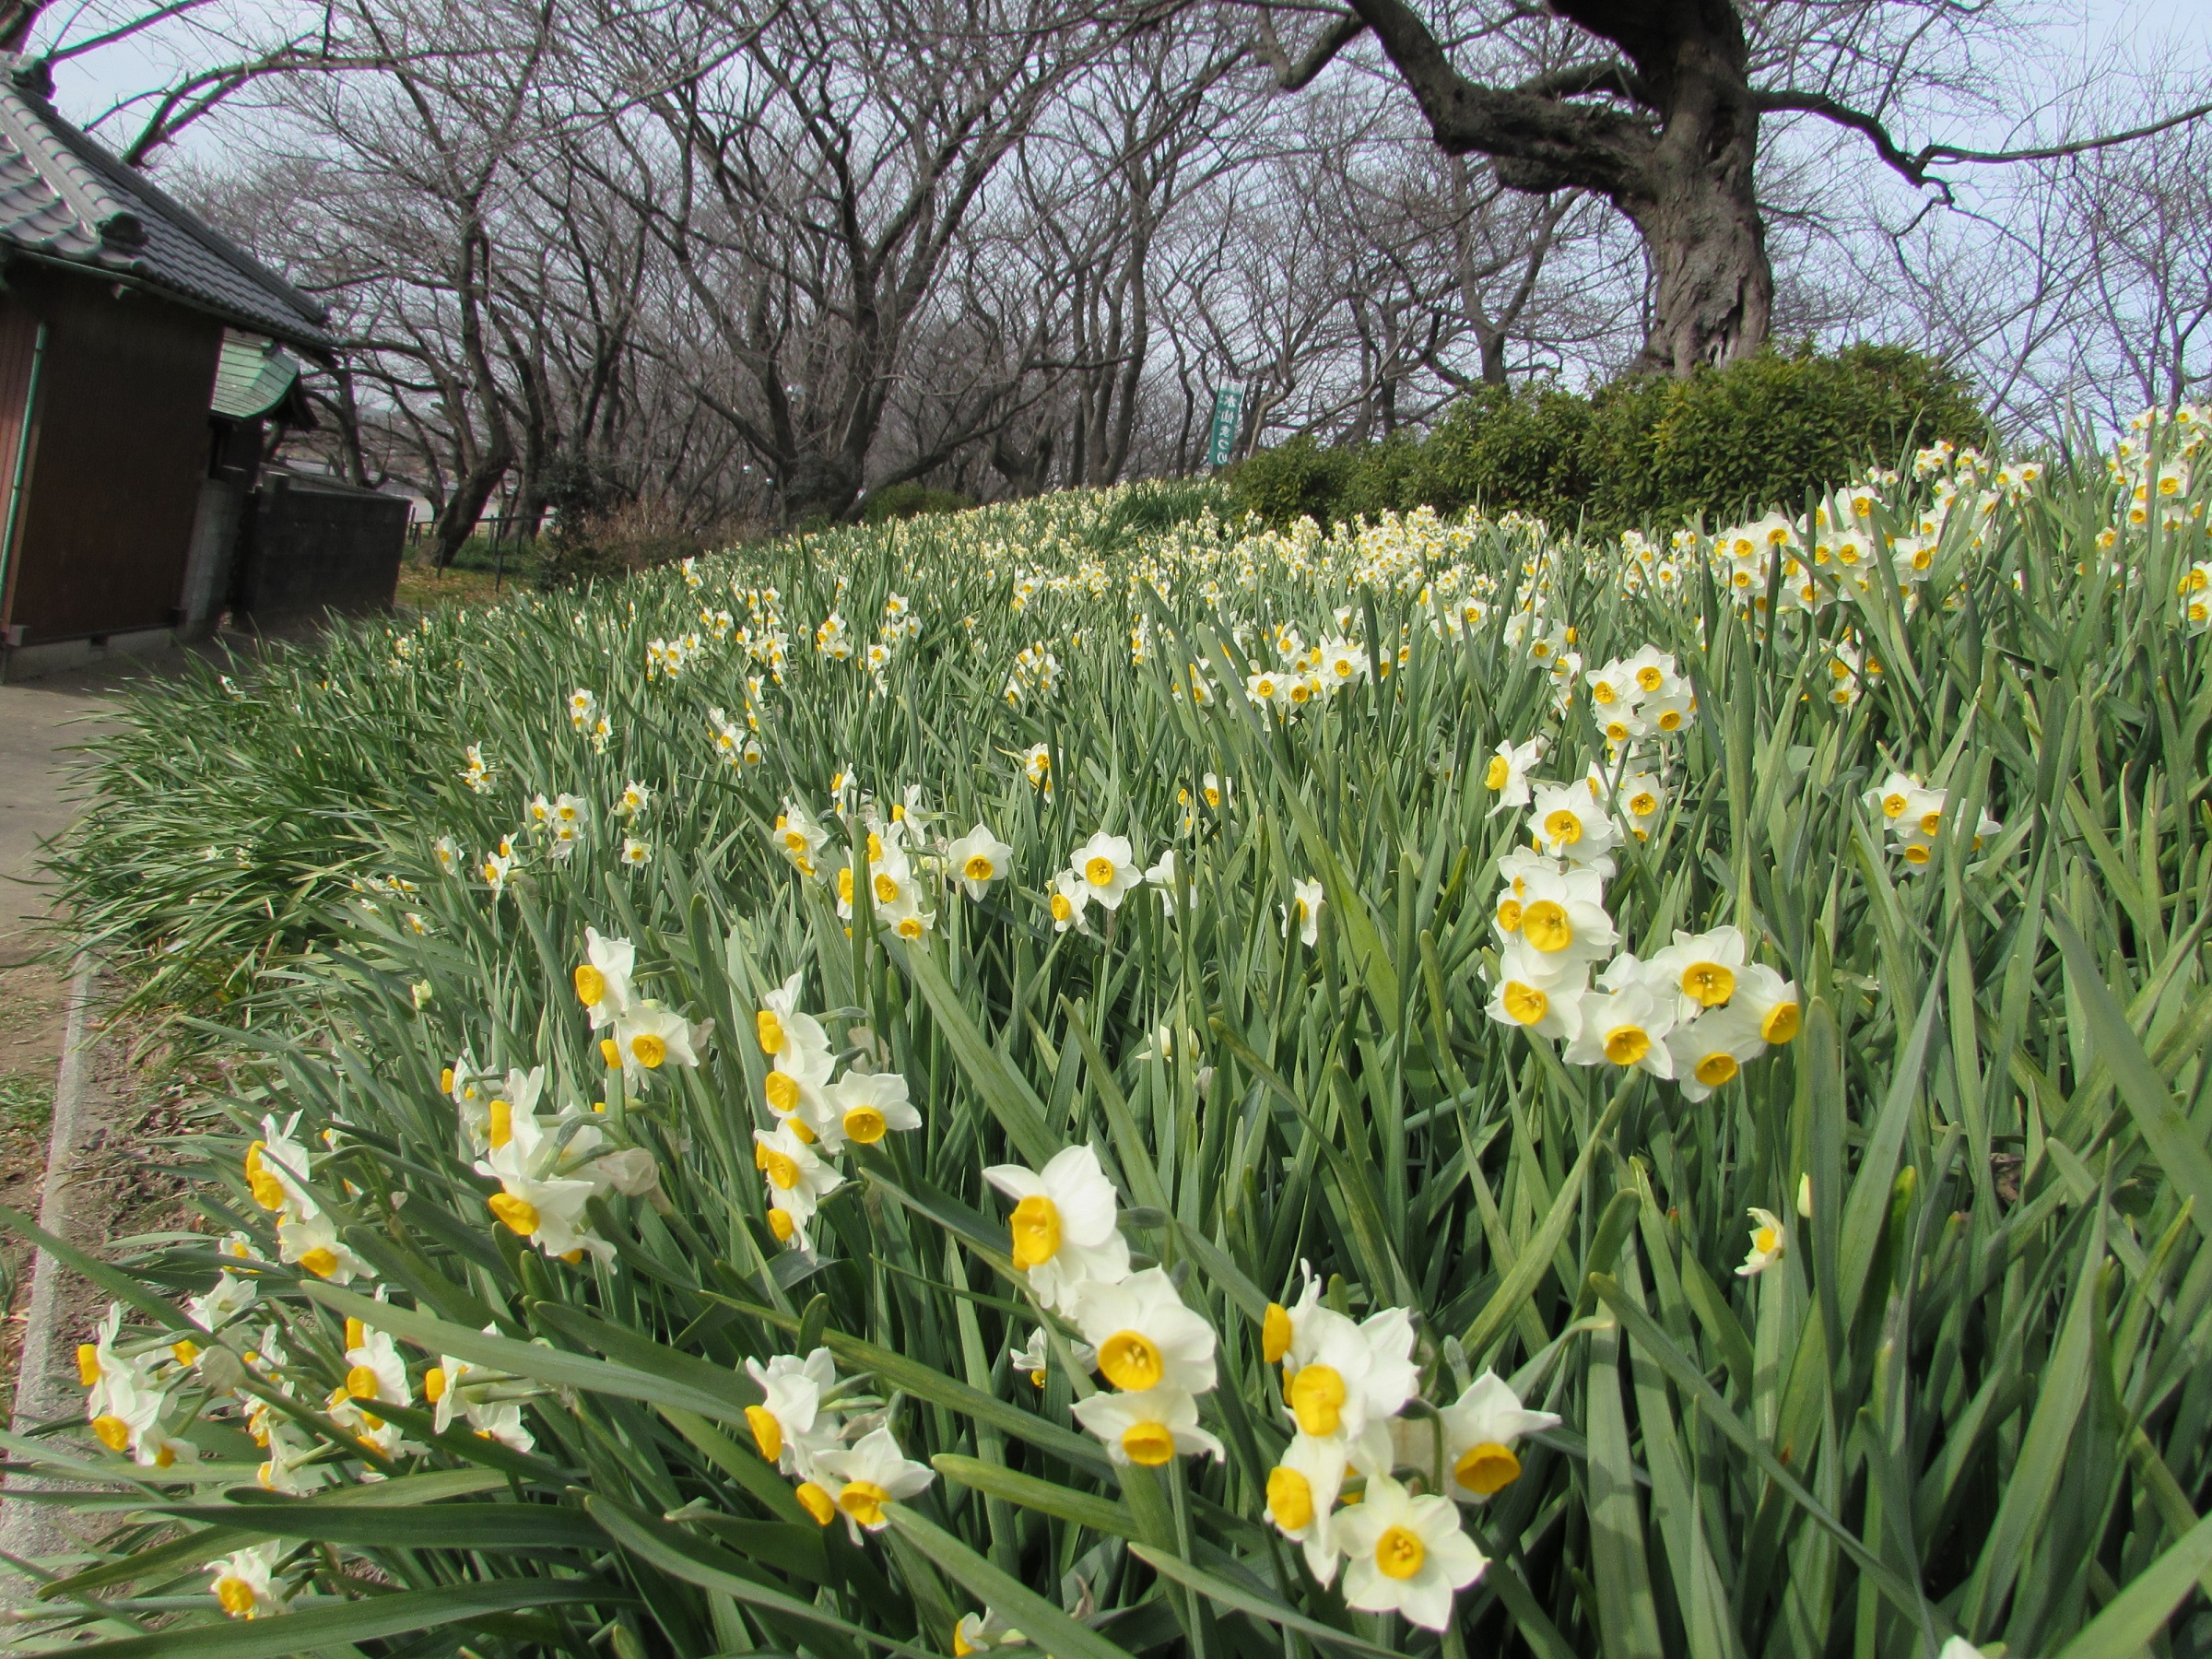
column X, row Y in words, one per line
column 1158, row 1354
column 1036, row 673
column 1319, row 671
column 817, row 1114
column 549, row 1171
column 1346, row 1386
column 1916, row 817
column 846, row 1462
column 589, row 720
column 1695, row 1013
column 667, row 659
column 1640, row 697
column 478, row 773
column 738, row 745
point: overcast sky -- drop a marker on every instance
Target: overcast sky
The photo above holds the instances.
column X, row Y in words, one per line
column 87, row 87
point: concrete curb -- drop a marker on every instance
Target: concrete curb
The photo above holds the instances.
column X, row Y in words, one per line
column 41, row 1389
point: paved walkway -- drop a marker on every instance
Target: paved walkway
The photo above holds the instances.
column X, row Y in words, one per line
column 40, row 722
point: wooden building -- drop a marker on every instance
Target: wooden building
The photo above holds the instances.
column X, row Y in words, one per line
column 142, row 358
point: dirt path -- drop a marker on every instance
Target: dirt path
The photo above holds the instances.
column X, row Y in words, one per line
column 109, row 1113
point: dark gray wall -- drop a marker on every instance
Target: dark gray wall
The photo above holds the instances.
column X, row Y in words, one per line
column 311, row 544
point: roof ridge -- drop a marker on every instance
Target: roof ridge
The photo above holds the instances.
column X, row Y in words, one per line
column 88, row 153
column 79, row 186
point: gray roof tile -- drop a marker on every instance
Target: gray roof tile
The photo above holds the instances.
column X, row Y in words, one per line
column 64, row 197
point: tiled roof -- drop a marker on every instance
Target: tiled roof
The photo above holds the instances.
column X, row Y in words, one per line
column 251, row 376
column 64, row 198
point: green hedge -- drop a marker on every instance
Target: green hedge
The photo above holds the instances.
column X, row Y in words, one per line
column 1643, row 451
column 912, row 500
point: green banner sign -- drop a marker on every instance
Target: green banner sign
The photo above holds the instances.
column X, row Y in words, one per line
column 1228, row 421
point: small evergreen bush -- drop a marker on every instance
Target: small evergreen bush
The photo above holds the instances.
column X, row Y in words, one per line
column 1644, row 451
column 910, row 500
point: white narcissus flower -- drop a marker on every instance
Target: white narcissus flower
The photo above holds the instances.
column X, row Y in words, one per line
column 1301, row 1499
column 1303, row 912
column 1711, row 1050
column 648, row 1037
column 798, row 1180
column 1144, row 1336
column 790, row 1427
column 865, row 1106
column 230, row 1297
column 635, row 853
column 978, row 859
column 1480, row 1427
column 1069, row 896
column 244, row 1581
column 1558, row 916
column 312, row 1241
column 1162, row 876
column 603, row 978
column 981, row 1633
column 1507, row 775
column 277, row 1167
column 1035, row 1356
column 1567, row 823
column 1541, row 1000
column 546, row 1210
column 1703, row 968
column 798, row 837
column 779, row 1015
column 1108, row 865
column 1404, row 1555
column 799, row 1084
column 1769, row 1240
column 1149, row 1427
column 375, row 1368
column 1066, row 1226
column 874, row 1473
column 1771, row 1000
column 1358, row 1374
column 1624, row 1024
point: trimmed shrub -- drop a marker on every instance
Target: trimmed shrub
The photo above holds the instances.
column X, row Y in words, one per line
column 1766, row 431
column 911, row 500
column 1645, row 450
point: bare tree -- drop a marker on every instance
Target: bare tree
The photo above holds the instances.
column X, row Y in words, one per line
column 1655, row 105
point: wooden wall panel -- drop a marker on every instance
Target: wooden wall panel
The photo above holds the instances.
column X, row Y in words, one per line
column 120, row 449
column 18, row 335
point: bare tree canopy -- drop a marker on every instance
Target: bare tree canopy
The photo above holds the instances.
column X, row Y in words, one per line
column 1655, row 105
column 721, row 262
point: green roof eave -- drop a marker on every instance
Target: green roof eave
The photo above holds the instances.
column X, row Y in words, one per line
column 252, row 377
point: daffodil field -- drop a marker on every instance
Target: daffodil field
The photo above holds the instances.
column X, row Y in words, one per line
column 1085, row 1077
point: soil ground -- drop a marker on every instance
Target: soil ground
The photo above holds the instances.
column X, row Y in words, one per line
column 116, row 1191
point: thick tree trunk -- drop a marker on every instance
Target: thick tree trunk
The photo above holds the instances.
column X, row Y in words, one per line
column 1713, row 285
column 457, row 520
column 819, row 486
column 1676, row 155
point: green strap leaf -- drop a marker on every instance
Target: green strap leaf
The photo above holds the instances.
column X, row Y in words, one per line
column 1686, row 1376
column 1044, row 1624
column 1047, row 1498
column 1535, row 1259
column 2164, row 1126
column 1220, row 1591
column 526, row 1358
column 490, row 1526
column 2132, row 1618
column 366, row 1620
column 1003, row 1093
